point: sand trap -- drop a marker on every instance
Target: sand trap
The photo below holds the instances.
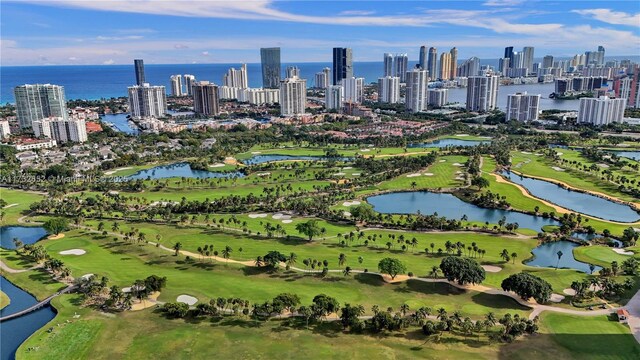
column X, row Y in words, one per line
column 603, row 166
column 428, row 174
column 569, row 291
column 459, row 178
column 414, row 175
column 556, row 298
column 525, row 152
column 128, row 289
column 263, row 174
column 442, row 160
column 458, row 172
column 339, row 174
column 462, row 135
column 217, row 165
column 346, row 213
column 187, row 299
column 485, row 137
column 281, row 216
column 491, row 268
column 150, row 301
column 622, row 251
column 55, row 237
column 356, row 174
column 86, row 276
column 351, row 203
column 557, row 168
column 457, row 164
column 73, row 252
column 347, row 168
column 116, row 170
column 538, row 154
column 256, row 152
column 287, row 221
column 559, row 153
column 365, row 150
column 255, row 216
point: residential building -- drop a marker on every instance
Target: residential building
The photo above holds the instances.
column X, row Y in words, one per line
column 323, row 78
column 236, row 78
column 445, row 66
column 482, row 93
column 389, row 89
column 139, row 68
column 31, row 144
column 39, row 101
column 424, row 58
column 388, row 64
column 432, row 63
column 453, row 66
column 205, row 98
column 334, row 97
column 189, row 80
column 601, row 111
column 5, row 130
column 527, row 58
column 353, row 89
column 147, row 101
column 270, row 61
column 503, row 65
column 438, row 97
column 61, row 129
column 259, row 96
column 293, row 96
column 292, row 71
column 401, row 64
column 547, row 61
column 508, row 53
column 523, row 107
column 470, row 67
column 176, row 85
column 342, row 64
column 416, row 92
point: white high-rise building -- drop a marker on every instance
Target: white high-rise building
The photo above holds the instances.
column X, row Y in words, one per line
column 5, row 130
column 176, row 85
column 389, row 89
column 293, row 96
column 438, row 97
column 189, row 80
column 416, row 96
column 292, row 71
column 470, row 67
column 147, row 101
column 388, row 64
column 353, row 89
column 236, row 78
column 61, row 129
column 523, row 107
column 401, row 62
column 601, row 111
column 334, row 97
column 39, row 101
column 482, row 93
column 259, row 96
column 323, row 78
column 527, row 58
column 205, row 98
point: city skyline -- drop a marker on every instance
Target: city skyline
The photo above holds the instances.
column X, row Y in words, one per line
column 199, row 31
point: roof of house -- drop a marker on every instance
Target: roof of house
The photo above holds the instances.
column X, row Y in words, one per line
column 623, row 312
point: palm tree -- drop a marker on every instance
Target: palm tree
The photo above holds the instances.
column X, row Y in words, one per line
column 177, row 248
column 258, row 261
column 404, row 308
column 226, row 253
column 342, row 259
column 291, row 260
column 514, row 256
column 559, row 253
column 375, row 309
column 434, row 272
column 346, row 271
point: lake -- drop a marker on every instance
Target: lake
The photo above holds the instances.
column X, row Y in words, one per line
column 442, row 143
column 121, row 123
column 546, row 255
column 27, row 234
column 451, row 207
column 574, row 200
column 179, row 170
column 15, row 331
column 635, row 155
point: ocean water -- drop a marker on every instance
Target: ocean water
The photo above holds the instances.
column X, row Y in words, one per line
column 105, row 81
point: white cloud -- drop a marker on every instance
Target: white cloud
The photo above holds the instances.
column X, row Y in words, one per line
column 503, row 2
column 356, row 12
column 108, row 62
column 119, row 38
column 205, row 53
column 611, row 17
column 73, row 58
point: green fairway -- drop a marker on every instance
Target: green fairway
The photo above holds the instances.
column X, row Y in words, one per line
column 599, row 255
column 4, row 300
column 441, row 175
column 17, row 204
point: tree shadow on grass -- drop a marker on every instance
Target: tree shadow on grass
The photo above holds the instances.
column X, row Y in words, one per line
column 19, row 260
column 369, row 279
column 433, row 288
column 497, row 302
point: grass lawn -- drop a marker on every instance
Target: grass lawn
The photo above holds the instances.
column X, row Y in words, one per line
column 18, row 203
column 444, row 176
column 4, row 300
column 599, row 255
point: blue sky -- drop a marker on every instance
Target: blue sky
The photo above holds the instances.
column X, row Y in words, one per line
column 42, row 32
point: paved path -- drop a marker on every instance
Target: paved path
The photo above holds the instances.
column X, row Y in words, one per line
column 38, row 305
column 11, row 270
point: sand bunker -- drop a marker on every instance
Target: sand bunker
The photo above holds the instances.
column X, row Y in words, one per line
column 491, row 268
column 365, row 150
column 622, row 251
column 525, row 152
column 73, row 252
column 281, row 216
column 603, row 165
column 216, row 165
column 457, row 164
column 428, row 174
column 443, row 160
column 557, row 168
column 346, row 213
column 356, row 174
column 556, row 298
column 56, row 237
column 351, row 203
column 287, row 221
column 569, row 291
column 263, row 174
column 339, row 174
column 414, row 175
column 347, row 168
column 255, row 216
column 187, row 299
column 462, row 135
column 256, row 152
column 86, row 276
column 559, row 153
